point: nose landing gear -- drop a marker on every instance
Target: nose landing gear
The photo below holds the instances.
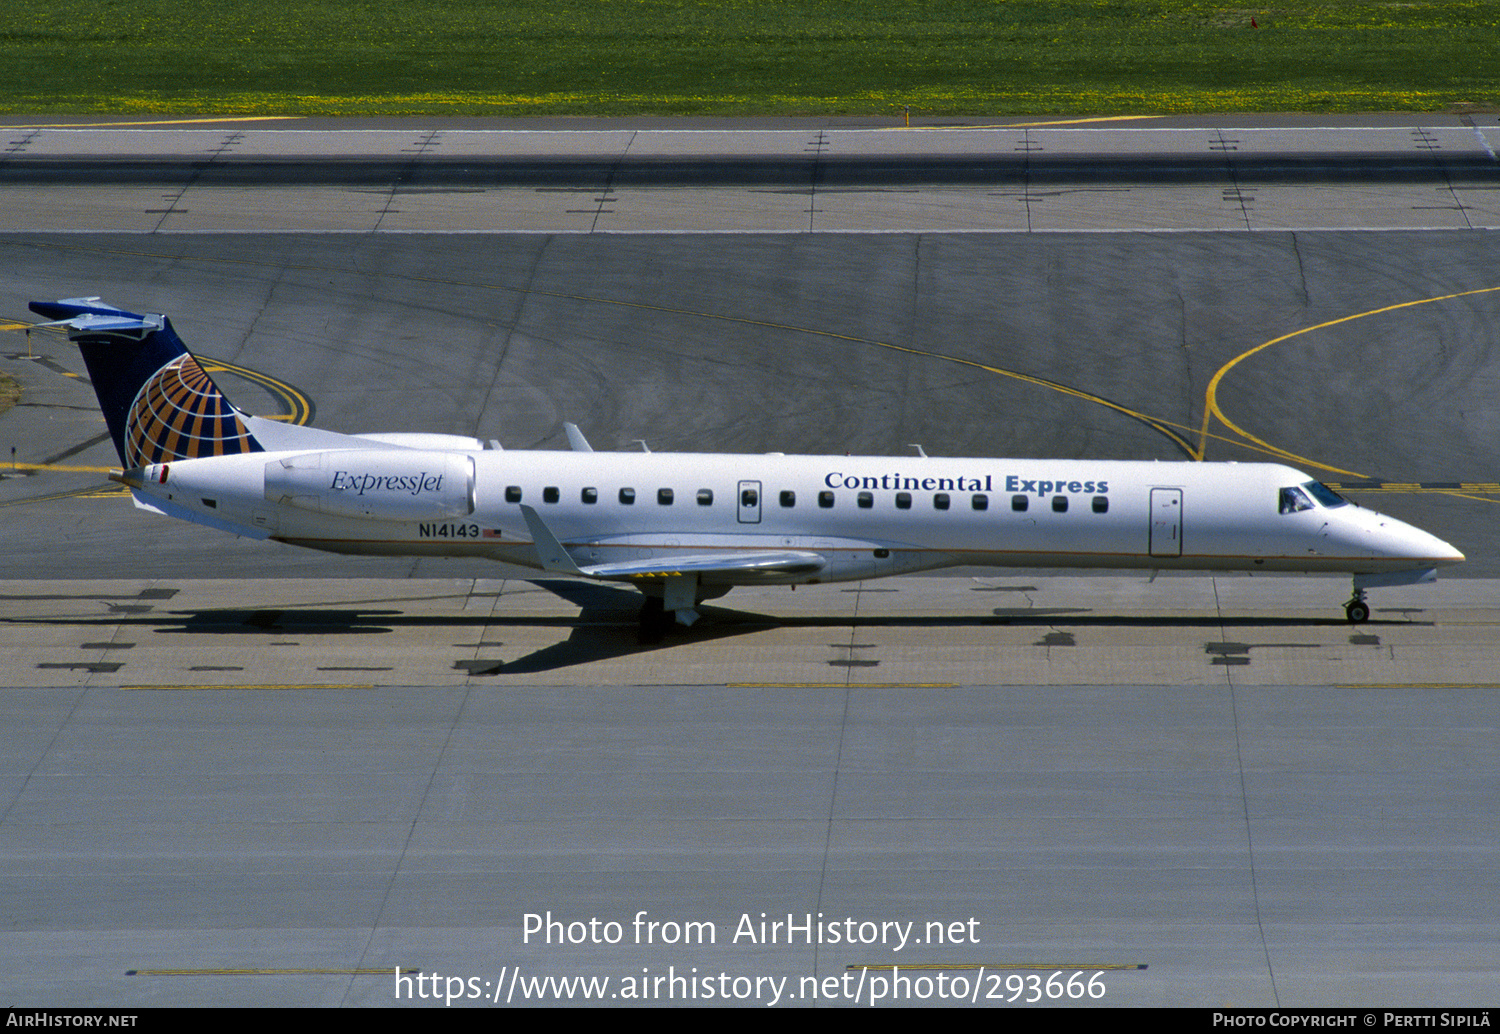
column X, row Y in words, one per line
column 1357, row 610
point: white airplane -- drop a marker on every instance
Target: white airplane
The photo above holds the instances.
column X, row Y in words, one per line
column 686, row 527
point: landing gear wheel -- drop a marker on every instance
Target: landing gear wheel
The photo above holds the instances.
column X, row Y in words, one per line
column 654, row 621
column 1358, row 611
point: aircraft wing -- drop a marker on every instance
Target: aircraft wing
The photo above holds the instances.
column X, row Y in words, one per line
column 746, row 562
column 731, row 564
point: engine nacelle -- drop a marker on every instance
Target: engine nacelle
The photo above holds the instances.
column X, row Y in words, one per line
column 380, row 484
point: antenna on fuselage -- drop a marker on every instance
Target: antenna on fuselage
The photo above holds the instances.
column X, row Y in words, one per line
column 920, row 451
column 576, row 440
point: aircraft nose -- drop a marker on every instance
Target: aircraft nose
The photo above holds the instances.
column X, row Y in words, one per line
column 1449, row 554
column 1424, row 546
column 1390, row 540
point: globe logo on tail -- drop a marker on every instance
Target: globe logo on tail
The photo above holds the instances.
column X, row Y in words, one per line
column 180, row 414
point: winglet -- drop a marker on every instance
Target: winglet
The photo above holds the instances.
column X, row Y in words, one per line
column 548, row 550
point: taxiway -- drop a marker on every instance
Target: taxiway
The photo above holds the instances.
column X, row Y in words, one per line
column 236, row 774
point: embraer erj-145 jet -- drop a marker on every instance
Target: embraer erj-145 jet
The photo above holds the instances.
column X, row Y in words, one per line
column 685, row 527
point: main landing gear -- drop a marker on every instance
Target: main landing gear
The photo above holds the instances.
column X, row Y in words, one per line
column 655, row 621
column 676, row 607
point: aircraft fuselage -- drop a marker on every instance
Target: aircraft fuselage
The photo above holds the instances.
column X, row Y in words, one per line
column 867, row 516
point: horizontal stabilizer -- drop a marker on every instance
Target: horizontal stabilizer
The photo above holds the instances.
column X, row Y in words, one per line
column 90, row 322
column 67, row 308
column 85, row 315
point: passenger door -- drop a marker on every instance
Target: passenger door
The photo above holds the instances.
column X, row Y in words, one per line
column 1166, row 522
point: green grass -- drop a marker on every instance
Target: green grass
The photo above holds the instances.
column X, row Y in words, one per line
column 10, row 392
column 680, row 57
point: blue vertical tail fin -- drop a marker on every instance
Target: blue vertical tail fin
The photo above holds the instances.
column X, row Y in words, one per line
column 159, row 403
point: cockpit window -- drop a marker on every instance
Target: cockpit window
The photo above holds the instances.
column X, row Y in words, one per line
column 1325, row 495
column 1294, row 500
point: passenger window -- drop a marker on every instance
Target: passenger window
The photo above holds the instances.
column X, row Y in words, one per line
column 1019, row 503
column 825, row 500
column 866, row 500
column 1059, row 504
column 789, row 499
column 663, row 497
column 749, row 498
column 513, row 494
column 550, row 494
column 627, row 497
column 1101, row 504
column 705, row 497
column 980, row 502
column 940, row 501
column 903, row 500
column 589, row 495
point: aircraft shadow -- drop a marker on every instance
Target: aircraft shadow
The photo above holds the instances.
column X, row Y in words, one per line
column 606, row 626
